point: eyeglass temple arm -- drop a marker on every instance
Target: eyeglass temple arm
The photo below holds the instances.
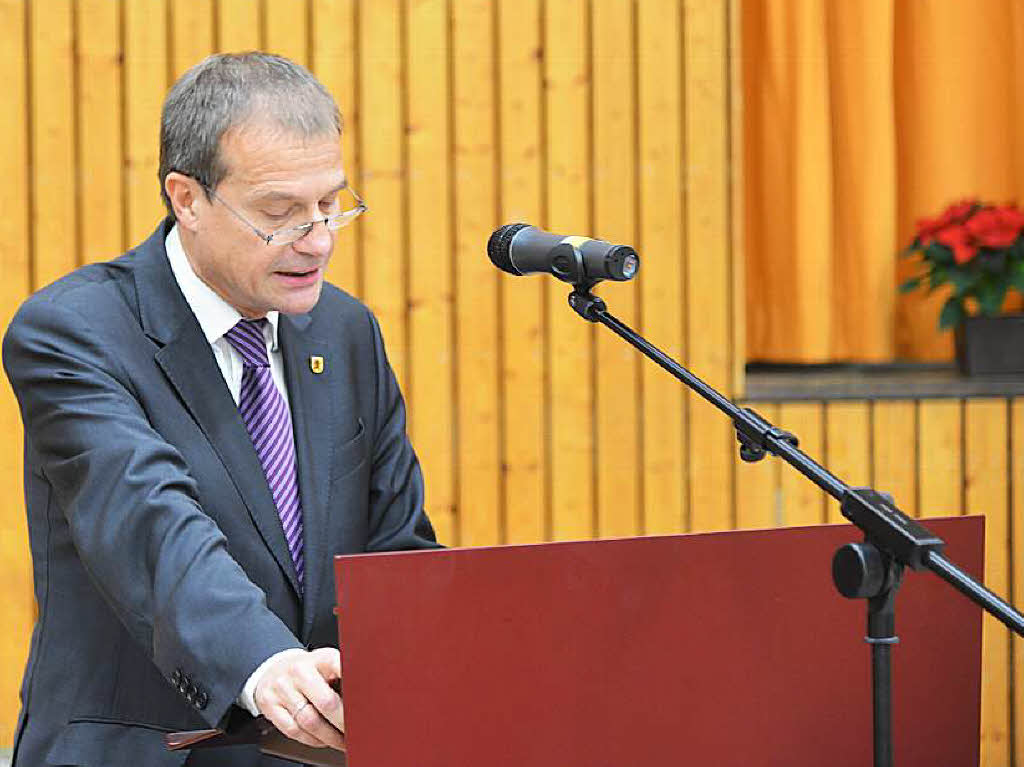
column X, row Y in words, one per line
column 259, row 233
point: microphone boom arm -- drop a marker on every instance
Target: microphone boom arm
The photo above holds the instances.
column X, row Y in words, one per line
column 884, row 525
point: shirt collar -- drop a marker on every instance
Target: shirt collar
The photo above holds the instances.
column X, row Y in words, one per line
column 216, row 316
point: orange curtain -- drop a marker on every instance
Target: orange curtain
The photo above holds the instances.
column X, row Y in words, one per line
column 860, row 118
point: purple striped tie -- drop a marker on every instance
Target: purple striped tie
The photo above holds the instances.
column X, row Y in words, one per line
column 269, row 425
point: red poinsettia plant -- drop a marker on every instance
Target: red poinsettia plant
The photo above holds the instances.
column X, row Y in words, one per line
column 975, row 247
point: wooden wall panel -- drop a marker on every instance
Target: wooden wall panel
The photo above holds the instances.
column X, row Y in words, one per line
column 16, row 593
column 847, row 448
column 708, row 261
column 478, row 363
column 100, row 172
column 238, row 25
column 758, row 485
column 617, row 391
column 986, row 436
column 430, row 387
column 800, row 501
column 940, row 458
column 571, row 339
column 333, row 59
column 54, row 212
column 1016, row 479
column 660, row 239
column 192, row 34
column 894, row 451
column 737, row 209
column 524, row 329
column 286, row 29
column 145, row 84
column 382, row 125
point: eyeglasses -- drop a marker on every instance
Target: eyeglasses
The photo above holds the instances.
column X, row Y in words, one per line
column 295, row 233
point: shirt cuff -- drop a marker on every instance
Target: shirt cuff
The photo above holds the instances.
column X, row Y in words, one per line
column 247, row 699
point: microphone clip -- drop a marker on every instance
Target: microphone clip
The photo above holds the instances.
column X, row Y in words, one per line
column 586, row 304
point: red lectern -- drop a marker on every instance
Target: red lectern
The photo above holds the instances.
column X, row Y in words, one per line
column 716, row 649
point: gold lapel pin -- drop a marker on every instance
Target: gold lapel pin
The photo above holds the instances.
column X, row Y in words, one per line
column 316, row 364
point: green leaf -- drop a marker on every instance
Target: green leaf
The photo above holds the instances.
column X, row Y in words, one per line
column 994, row 263
column 1017, row 276
column 952, row 313
column 962, row 281
column 938, row 253
column 938, row 276
column 990, row 296
column 912, row 284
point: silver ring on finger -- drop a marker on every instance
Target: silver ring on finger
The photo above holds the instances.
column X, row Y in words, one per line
column 295, row 713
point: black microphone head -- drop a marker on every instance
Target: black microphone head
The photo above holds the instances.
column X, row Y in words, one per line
column 499, row 247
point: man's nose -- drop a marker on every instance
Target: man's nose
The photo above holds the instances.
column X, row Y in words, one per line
column 317, row 242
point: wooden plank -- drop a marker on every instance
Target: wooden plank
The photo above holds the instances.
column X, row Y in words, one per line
column 660, row 244
column 334, row 63
column 940, row 457
column 801, row 502
column 617, row 391
column 757, row 484
column 986, row 480
column 51, row 64
column 708, row 261
column 847, row 448
column 286, row 29
column 431, row 369
column 100, row 140
column 238, row 25
column 738, row 189
column 1017, row 570
column 146, row 67
column 380, row 149
column 191, row 34
column 478, row 368
column 524, row 425
column 571, row 339
column 894, row 451
column 15, row 560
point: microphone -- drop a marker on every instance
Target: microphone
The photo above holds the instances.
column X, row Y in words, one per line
column 523, row 249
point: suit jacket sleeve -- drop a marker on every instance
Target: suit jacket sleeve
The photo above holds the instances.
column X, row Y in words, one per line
column 397, row 518
column 132, row 508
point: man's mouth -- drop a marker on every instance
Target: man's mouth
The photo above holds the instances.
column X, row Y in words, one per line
column 303, row 278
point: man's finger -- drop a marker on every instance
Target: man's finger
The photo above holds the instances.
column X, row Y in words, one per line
column 325, row 700
column 327, row 661
column 313, row 724
column 284, row 721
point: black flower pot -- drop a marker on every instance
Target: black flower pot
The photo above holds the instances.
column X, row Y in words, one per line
column 990, row 345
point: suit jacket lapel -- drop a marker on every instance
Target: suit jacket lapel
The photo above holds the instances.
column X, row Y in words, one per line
column 188, row 362
column 313, row 422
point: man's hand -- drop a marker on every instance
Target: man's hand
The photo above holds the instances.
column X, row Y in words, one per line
column 295, row 694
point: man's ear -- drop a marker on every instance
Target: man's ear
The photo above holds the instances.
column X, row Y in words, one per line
column 186, row 198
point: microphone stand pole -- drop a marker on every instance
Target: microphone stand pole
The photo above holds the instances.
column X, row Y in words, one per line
column 871, row 570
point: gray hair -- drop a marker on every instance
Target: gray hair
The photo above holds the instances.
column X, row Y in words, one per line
column 222, row 92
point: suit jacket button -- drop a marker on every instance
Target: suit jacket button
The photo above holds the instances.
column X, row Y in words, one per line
column 202, row 700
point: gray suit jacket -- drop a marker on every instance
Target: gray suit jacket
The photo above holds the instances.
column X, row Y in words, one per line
column 161, row 569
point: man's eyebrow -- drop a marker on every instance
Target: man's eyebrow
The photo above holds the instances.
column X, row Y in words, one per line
column 272, row 196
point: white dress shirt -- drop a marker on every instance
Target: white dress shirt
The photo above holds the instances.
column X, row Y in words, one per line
column 216, row 317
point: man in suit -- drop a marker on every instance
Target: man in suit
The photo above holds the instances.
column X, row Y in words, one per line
column 206, row 424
